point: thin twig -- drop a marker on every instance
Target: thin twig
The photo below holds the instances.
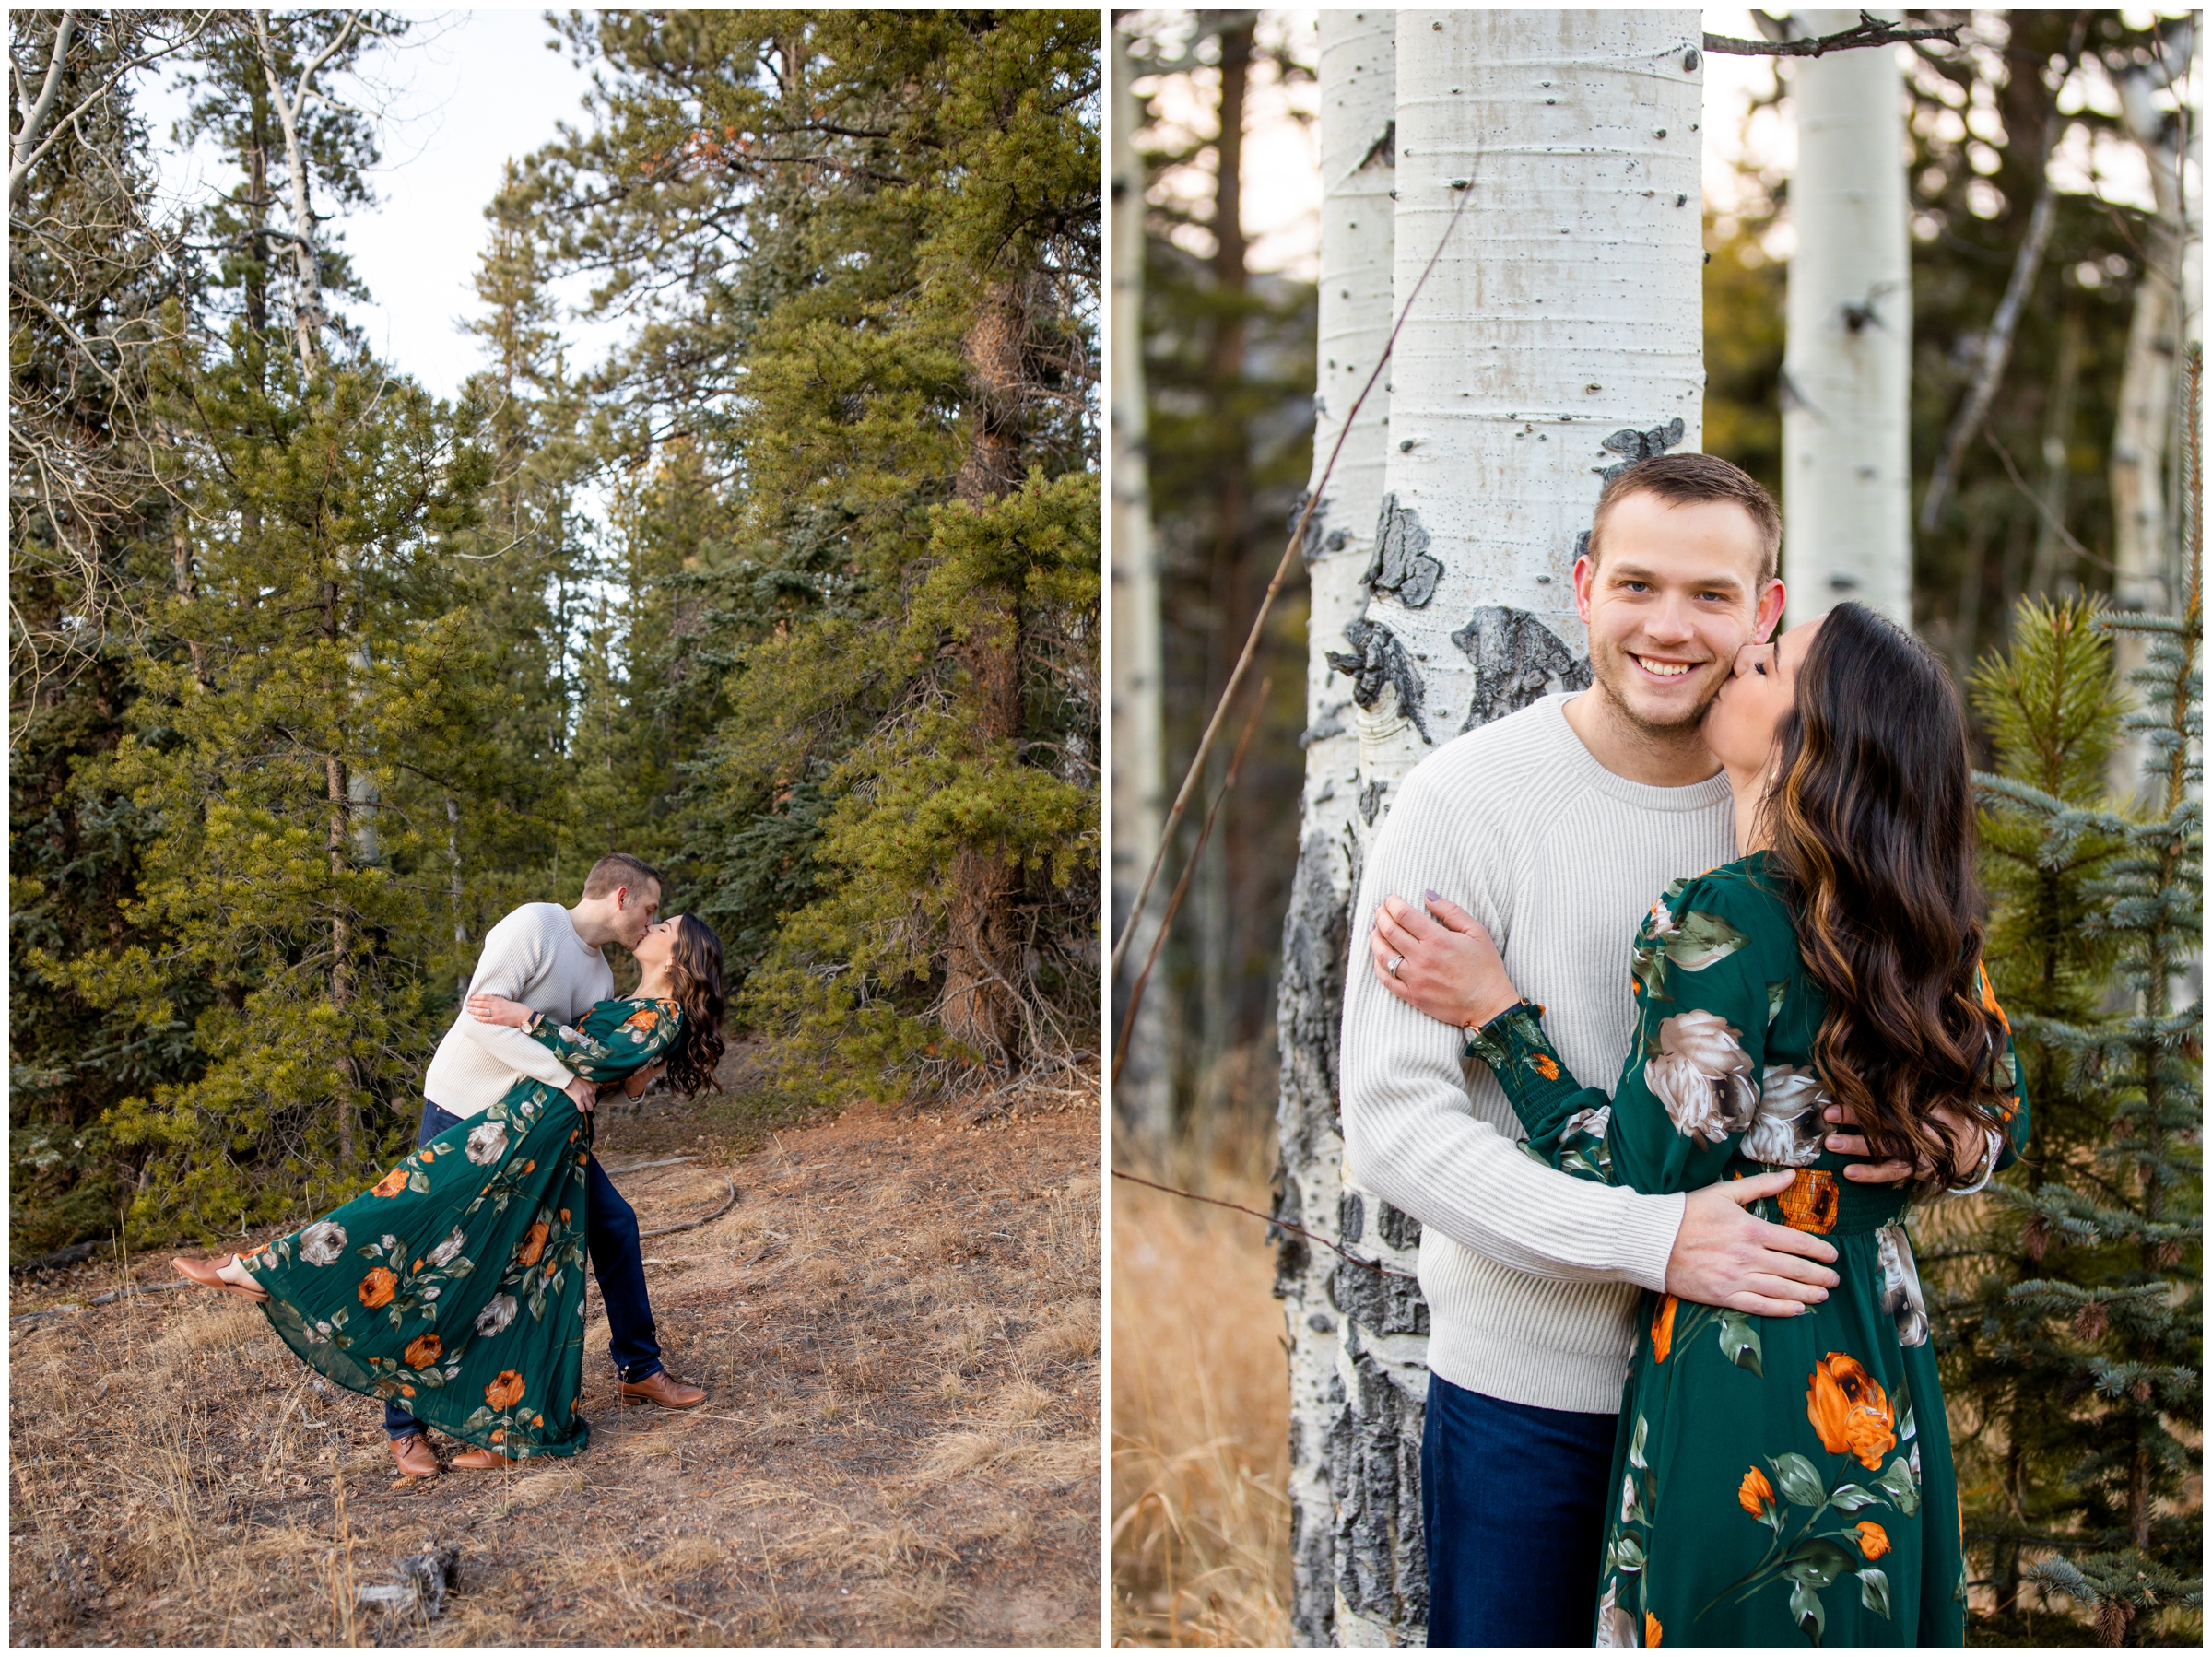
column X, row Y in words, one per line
column 1283, row 1224
column 2058, row 525
column 1870, row 30
column 1159, row 936
column 695, row 1224
column 1282, row 570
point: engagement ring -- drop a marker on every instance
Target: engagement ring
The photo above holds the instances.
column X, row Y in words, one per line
column 1392, row 967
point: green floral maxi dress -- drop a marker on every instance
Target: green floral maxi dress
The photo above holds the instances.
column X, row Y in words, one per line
column 456, row 1282
column 1777, row 1480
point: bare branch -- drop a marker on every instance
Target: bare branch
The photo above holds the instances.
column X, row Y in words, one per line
column 1870, row 32
column 21, row 162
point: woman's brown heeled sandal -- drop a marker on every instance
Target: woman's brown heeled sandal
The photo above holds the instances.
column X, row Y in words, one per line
column 483, row 1461
column 205, row 1274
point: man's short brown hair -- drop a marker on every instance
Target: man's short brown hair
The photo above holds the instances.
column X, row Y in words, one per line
column 1680, row 480
column 620, row 869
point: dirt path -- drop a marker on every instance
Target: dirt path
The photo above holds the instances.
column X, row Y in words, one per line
column 899, row 1325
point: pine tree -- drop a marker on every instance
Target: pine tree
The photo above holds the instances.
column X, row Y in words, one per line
column 2114, row 1314
column 859, row 409
column 2052, row 707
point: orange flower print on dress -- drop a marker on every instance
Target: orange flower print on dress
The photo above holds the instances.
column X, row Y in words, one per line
column 1874, row 1541
column 532, row 1245
column 1812, row 1202
column 1663, row 1330
column 377, row 1289
column 505, row 1391
column 1755, row 1496
column 392, row 1184
column 1545, row 1066
column 644, row 1018
column 1850, row 1411
column 1989, row 998
column 423, row 1349
column 1651, row 1630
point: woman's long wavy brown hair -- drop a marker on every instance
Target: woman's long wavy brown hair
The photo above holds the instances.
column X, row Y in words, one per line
column 694, row 975
column 1872, row 821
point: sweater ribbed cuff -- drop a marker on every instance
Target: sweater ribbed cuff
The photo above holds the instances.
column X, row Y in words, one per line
column 1645, row 1236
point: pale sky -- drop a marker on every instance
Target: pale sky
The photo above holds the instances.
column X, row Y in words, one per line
column 458, row 95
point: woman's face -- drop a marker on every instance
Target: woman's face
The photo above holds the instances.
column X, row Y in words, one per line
column 658, row 944
column 1740, row 725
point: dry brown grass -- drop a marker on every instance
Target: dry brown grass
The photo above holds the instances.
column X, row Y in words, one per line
column 900, row 1447
column 1201, row 1408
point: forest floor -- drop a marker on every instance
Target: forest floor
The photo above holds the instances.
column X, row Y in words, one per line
column 1201, row 1536
column 897, row 1324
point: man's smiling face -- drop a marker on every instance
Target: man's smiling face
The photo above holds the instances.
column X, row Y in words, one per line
column 1673, row 593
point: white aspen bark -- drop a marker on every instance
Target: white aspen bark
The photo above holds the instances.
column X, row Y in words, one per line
column 1847, row 470
column 2168, row 314
column 1358, row 77
column 1142, row 1096
column 307, row 305
column 1558, row 336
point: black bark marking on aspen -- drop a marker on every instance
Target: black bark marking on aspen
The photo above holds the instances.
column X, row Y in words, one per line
column 1397, row 1227
column 1385, row 148
column 1516, row 659
column 1309, row 1008
column 1640, row 445
column 1292, row 1254
column 1374, row 1469
column 1351, row 1217
column 1381, row 1305
column 1378, row 658
column 1401, row 566
column 1318, row 538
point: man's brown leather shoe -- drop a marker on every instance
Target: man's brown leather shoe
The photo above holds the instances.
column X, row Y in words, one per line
column 415, row 1456
column 665, row 1390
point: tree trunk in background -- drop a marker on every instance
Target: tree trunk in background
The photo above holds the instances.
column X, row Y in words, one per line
column 2167, row 313
column 1847, row 469
column 1560, row 335
column 1358, row 76
column 980, row 1004
column 1142, row 1098
column 1230, row 579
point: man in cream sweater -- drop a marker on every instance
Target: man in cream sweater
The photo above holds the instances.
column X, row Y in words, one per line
column 1557, row 828
column 550, row 959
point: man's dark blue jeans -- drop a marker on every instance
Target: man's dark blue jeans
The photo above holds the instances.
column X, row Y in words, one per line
column 611, row 1233
column 1514, row 1501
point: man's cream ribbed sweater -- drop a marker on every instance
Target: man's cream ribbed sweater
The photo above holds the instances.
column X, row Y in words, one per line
column 1531, row 1275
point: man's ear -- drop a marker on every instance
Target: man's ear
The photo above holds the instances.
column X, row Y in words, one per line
column 1771, row 601
column 1585, row 578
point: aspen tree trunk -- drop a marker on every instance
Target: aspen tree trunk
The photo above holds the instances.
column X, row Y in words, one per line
column 1847, row 471
column 2167, row 313
column 1358, row 81
column 1229, row 577
column 1559, row 336
column 1142, row 1096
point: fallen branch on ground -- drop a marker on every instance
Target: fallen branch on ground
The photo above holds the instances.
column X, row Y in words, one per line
column 694, row 1224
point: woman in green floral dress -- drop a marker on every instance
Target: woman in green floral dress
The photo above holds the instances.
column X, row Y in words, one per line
column 456, row 1282
column 1786, row 1480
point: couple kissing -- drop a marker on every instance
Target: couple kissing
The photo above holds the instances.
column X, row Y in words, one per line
column 453, row 1289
